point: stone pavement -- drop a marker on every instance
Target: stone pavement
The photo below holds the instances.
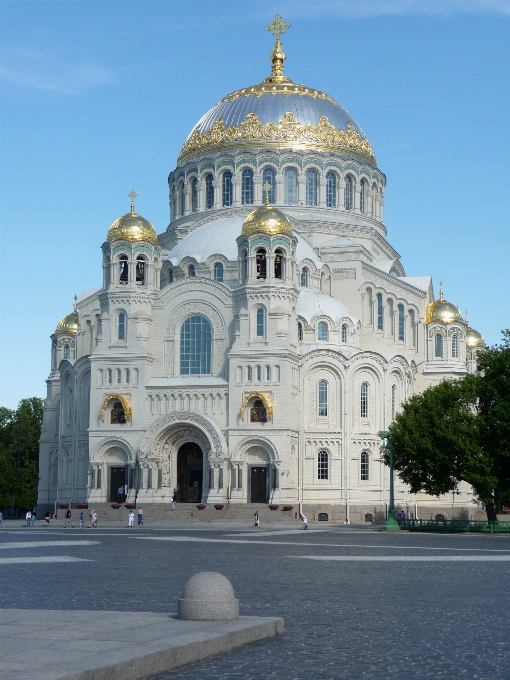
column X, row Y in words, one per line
column 351, row 619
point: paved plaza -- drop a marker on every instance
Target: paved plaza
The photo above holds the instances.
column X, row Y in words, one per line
column 357, row 603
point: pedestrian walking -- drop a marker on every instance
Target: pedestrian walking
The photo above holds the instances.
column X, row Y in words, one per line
column 93, row 519
column 82, row 524
column 28, row 517
column 90, row 518
column 68, row 519
column 256, row 518
column 140, row 516
column 32, row 519
column 47, row 517
column 174, row 501
column 305, row 522
column 131, row 518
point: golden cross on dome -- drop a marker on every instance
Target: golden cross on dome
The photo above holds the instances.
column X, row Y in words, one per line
column 267, row 188
column 75, row 305
column 132, row 196
column 441, row 291
column 277, row 27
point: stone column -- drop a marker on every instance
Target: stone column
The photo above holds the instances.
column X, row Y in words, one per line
column 301, row 190
column 279, row 189
column 257, row 189
column 322, row 192
column 187, row 206
column 357, row 192
column 201, row 195
column 341, row 194
column 236, row 191
column 217, row 193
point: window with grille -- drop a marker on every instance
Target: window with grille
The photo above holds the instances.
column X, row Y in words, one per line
column 348, row 193
column 311, row 187
column 268, row 177
column 323, row 398
column 323, row 465
column 260, row 323
column 380, row 315
column 247, row 187
column 438, row 342
column 455, row 346
column 268, row 372
column 364, row 466
column 344, row 332
column 195, row 346
column 209, row 192
column 218, row 272
column 322, row 331
column 364, row 400
column 401, row 323
column 67, row 352
column 331, row 190
column 226, row 189
column 249, row 374
column 304, row 277
column 122, row 326
column 290, row 187
column 259, row 373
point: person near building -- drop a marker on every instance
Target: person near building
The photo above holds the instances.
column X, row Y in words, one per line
column 68, row 519
column 47, row 517
column 174, row 501
column 94, row 519
column 304, row 519
column 82, row 524
column 28, row 517
column 131, row 518
column 120, row 494
column 256, row 518
column 140, row 516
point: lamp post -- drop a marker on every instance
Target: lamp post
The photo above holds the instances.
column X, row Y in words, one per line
column 391, row 523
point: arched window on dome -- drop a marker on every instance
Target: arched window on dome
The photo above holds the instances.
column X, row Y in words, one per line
column 140, row 270
column 331, row 190
column 344, row 333
column 362, row 197
column 269, row 177
column 438, row 346
column 304, row 277
column 218, row 272
column 123, row 269
column 260, row 260
column 261, row 323
column 455, row 346
column 322, row 465
column 323, row 399
column 401, row 323
column 209, row 192
column 322, row 331
column 67, row 352
column 192, row 272
column 348, row 193
column 195, row 346
column 380, row 310
column 247, row 187
column 194, row 195
column 300, row 331
column 290, row 187
column 364, row 466
column 311, row 187
column 279, row 263
column 121, row 327
column 183, row 199
column 226, row 189
column 364, row 410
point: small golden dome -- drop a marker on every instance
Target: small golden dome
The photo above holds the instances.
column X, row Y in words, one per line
column 442, row 311
column 474, row 338
column 132, row 227
column 267, row 220
column 68, row 325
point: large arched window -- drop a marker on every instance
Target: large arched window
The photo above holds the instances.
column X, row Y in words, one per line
column 67, row 352
column 195, row 346
column 322, row 330
column 194, row 195
column 269, row 177
column 322, row 465
column 140, row 270
column 331, row 190
column 123, row 269
column 348, row 193
column 380, row 315
column 279, row 263
column 401, row 323
column 261, row 323
column 438, row 346
column 121, row 327
column 344, row 332
column 362, row 197
column 364, row 467
column 393, row 401
column 311, row 187
column 364, row 410
column 260, row 260
column 455, row 346
column 300, row 331
column 247, row 187
column 290, row 187
column 218, row 272
column 226, row 189
column 192, row 272
column 323, row 398
column 304, row 277
column 209, row 192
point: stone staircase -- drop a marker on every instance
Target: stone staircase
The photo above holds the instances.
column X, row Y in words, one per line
column 187, row 513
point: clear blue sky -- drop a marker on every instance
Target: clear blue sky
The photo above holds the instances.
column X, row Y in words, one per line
column 98, row 97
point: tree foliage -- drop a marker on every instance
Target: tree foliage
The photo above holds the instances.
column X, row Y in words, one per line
column 459, row 431
column 20, row 430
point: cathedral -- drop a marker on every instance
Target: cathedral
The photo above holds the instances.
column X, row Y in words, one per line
column 251, row 353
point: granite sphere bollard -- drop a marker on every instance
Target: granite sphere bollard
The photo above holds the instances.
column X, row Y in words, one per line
column 208, row 596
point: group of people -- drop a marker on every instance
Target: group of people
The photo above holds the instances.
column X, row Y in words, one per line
column 131, row 518
column 30, row 517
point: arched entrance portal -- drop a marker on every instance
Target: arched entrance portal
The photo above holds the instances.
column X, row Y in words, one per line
column 190, row 473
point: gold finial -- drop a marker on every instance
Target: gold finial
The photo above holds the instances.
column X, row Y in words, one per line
column 75, row 305
column 467, row 322
column 132, row 196
column 277, row 28
column 267, row 188
column 440, row 291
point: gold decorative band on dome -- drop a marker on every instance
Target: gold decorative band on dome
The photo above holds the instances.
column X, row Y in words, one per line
column 264, row 398
column 285, row 88
column 288, row 133
column 118, row 397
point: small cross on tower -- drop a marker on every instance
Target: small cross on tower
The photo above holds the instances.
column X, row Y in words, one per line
column 132, row 196
column 277, row 27
column 266, row 188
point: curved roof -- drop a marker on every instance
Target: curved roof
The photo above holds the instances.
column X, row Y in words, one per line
column 219, row 238
column 313, row 303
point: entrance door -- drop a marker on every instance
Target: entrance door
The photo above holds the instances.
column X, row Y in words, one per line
column 189, row 473
column 258, row 484
column 117, row 480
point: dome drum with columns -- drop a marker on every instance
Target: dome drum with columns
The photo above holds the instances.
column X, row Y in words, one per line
column 253, row 350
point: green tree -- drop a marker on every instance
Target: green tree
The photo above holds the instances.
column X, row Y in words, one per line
column 19, row 453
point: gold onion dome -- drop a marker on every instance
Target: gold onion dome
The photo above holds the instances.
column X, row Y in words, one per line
column 267, row 220
column 132, row 227
column 68, row 325
column 442, row 311
column 473, row 338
